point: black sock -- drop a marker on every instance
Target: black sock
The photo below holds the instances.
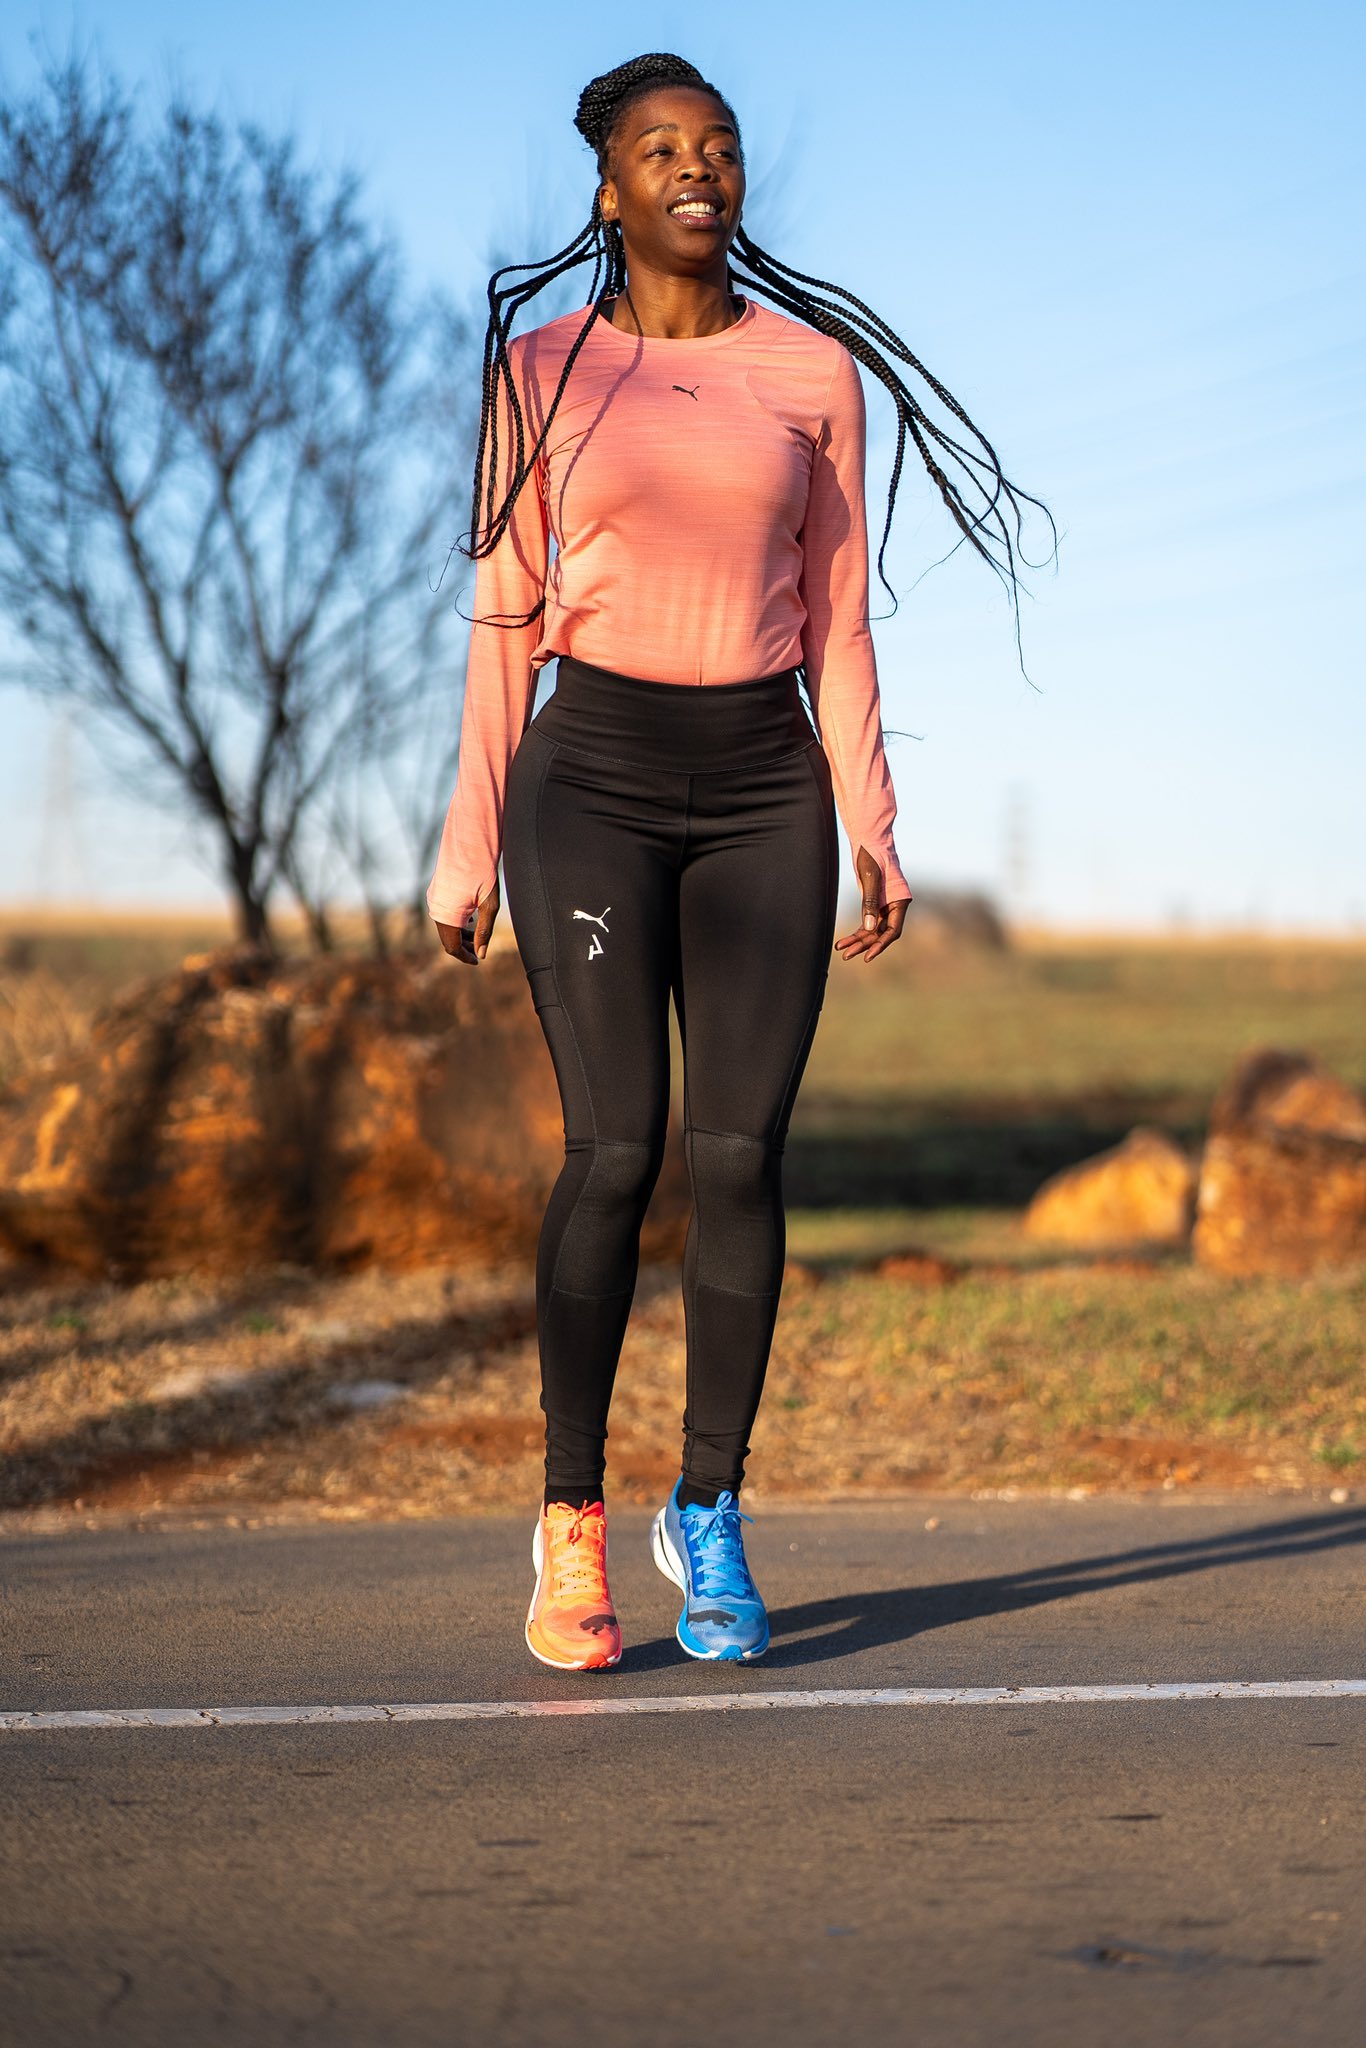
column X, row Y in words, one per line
column 578, row 1496
column 691, row 1496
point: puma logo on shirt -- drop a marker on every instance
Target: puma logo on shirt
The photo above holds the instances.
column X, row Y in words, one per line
column 689, row 393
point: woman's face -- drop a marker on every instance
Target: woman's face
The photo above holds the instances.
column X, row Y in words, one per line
column 675, row 180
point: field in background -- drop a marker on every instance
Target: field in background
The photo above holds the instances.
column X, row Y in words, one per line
column 968, row 1078
column 943, row 1088
column 1060, row 1028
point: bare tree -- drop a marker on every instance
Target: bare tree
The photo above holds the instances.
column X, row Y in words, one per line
column 233, row 453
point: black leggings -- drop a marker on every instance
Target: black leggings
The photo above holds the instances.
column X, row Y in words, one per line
column 661, row 837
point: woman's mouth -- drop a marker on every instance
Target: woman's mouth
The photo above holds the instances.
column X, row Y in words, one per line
column 695, row 211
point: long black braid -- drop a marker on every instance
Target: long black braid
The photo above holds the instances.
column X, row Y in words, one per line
column 984, row 517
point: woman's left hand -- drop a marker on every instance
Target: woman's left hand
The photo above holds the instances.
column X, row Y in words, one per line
column 879, row 924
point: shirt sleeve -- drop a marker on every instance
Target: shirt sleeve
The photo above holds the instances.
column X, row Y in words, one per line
column 509, row 584
column 837, row 645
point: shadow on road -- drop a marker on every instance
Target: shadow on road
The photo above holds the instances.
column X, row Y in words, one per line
column 822, row 1631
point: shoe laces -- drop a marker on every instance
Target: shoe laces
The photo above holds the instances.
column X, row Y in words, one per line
column 717, row 1544
column 578, row 1551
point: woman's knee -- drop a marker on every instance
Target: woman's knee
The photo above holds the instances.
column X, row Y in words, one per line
column 738, row 1210
column 618, row 1174
column 730, row 1169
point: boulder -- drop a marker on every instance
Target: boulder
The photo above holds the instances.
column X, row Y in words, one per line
column 1139, row 1192
column 1283, row 1182
column 334, row 1112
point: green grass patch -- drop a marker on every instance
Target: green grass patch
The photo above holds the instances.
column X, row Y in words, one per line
column 1032, row 1376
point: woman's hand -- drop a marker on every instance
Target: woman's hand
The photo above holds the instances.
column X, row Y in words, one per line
column 879, row 925
column 470, row 945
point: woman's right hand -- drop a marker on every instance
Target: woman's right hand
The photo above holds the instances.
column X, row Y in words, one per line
column 470, row 943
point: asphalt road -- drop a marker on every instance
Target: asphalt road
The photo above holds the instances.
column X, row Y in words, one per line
column 1162, row 1871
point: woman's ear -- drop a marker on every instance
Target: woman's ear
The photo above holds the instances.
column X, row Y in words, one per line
column 607, row 199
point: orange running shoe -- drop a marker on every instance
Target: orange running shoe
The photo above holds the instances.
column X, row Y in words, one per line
column 571, row 1622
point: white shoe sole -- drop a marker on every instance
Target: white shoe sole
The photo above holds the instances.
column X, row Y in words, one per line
column 665, row 1556
column 558, row 1663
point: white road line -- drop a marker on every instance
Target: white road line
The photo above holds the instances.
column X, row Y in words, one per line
column 685, row 1703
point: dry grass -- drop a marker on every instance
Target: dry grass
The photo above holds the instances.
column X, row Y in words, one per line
column 43, row 1016
column 200, row 1397
column 57, row 970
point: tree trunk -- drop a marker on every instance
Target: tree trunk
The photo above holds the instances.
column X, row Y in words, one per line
column 319, row 927
column 253, row 925
column 379, row 929
column 248, row 904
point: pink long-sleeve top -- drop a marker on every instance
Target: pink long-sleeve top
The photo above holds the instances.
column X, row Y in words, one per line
column 705, row 499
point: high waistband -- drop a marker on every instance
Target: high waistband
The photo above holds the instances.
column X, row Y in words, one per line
column 679, row 726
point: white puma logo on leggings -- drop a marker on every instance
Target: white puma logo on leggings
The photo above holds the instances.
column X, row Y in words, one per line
column 595, row 945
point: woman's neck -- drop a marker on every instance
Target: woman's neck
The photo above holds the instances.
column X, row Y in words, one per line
column 674, row 308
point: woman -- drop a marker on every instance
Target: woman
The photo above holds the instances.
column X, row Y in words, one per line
column 667, row 820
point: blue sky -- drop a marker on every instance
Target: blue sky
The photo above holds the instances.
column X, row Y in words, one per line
column 1128, row 239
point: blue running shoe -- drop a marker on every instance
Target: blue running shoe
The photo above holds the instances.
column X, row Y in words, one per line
column 703, row 1551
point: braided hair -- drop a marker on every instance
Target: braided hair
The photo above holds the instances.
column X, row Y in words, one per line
column 984, row 516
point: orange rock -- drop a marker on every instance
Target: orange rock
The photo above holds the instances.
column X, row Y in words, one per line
column 1289, row 1091
column 334, row 1112
column 1139, row 1192
column 1283, row 1182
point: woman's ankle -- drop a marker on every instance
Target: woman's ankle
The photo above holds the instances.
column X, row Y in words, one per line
column 691, row 1494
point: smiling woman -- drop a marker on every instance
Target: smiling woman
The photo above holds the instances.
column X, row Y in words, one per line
column 667, row 821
